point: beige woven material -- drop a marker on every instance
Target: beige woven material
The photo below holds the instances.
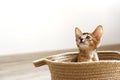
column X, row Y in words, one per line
column 63, row 67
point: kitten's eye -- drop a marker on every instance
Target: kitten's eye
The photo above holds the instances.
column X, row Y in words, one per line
column 88, row 37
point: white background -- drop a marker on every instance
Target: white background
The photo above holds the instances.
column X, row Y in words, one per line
column 40, row 25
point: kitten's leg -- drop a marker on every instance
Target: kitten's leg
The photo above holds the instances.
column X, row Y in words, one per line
column 95, row 57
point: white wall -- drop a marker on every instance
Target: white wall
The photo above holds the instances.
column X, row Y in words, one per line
column 39, row 25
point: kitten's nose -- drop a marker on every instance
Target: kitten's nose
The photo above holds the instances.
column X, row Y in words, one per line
column 81, row 40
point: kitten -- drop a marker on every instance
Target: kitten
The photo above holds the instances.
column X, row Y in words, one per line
column 87, row 44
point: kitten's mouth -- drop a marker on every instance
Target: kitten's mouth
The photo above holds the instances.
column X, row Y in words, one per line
column 82, row 43
column 83, row 46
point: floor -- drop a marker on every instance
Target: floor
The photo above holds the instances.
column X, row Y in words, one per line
column 24, row 70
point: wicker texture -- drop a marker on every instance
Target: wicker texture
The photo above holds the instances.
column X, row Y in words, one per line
column 108, row 68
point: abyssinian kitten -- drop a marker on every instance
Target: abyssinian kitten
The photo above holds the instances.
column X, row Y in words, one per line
column 87, row 44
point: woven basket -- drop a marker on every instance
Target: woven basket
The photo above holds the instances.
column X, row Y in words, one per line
column 64, row 67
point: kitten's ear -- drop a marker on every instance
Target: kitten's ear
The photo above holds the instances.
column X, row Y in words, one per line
column 98, row 32
column 77, row 32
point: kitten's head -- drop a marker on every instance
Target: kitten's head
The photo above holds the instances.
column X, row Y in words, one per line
column 88, row 41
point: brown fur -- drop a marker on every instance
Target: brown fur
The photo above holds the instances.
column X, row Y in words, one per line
column 87, row 44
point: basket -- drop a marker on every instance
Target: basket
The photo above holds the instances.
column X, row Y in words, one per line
column 64, row 67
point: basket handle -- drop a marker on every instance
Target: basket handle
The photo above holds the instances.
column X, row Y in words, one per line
column 39, row 62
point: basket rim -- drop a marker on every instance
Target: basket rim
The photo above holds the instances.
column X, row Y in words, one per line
column 85, row 63
column 76, row 63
